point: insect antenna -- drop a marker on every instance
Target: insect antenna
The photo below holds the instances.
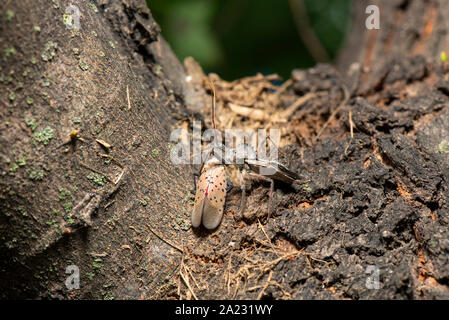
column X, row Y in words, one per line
column 216, row 144
column 212, row 88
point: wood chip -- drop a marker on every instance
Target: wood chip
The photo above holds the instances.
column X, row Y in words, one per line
column 255, row 114
column 104, row 143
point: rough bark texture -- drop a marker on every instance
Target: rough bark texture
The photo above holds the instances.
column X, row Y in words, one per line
column 61, row 204
column 377, row 198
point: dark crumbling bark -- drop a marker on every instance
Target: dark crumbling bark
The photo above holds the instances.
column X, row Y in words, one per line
column 379, row 198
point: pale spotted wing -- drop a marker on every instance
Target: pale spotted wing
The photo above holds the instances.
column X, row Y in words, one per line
column 210, row 198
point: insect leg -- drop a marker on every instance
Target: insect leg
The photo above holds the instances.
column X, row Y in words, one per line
column 270, row 194
column 229, row 185
column 242, row 186
column 273, row 143
column 270, row 198
column 268, row 138
column 195, row 177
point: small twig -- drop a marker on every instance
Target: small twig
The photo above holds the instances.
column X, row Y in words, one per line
column 166, row 241
column 103, row 143
column 213, row 103
column 191, row 275
column 253, row 288
column 120, row 176
column 228, row 275
column 351, row 124
column 351, row 130
column 319, row 260
column 283, row 87
column 327, row 122
column 286, row 293
column 125, row 246
column 127, row 96
column 186, row 281
column 100, row 255
column 266, row 235
column 168, row 101
column 96, row 171
column 295, row 105
column 154, row 296
column 252, row 113
column 109, row 204
column 85, row 208
column 179, row 279
column 112, row 158
column 343, row 236
column 259, row 296
column 342, row 104
column 155, row 94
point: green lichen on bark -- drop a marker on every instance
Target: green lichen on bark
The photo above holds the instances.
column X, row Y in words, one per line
column 44, row 135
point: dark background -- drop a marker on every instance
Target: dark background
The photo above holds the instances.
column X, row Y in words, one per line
column 237, row 38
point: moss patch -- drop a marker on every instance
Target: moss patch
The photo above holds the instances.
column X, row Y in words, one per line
column 31, row 123
column 97, row 178
column 35, row 174
column 44, row 136
column 306, row 187
column 67, row 19
column 94, row 7
column 443, row 147
column 144, row 201
column 63, row 194
column 49, row 51
column 68, row 206
column 21, row 162
column 83, row 65
column 97, row 263
column 9, row 15
column 10, row 52
column 13, row 169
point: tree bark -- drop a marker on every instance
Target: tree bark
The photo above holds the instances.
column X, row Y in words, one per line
column 86, row 177
column 73, row 201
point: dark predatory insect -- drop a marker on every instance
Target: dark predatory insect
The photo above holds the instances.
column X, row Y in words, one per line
column 279, row 171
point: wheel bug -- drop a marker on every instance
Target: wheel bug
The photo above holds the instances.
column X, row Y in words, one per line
column 211, row 190
column 262, row 168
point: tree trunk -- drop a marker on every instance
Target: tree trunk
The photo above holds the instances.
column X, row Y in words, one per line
column 86, row 177
column 72, row 200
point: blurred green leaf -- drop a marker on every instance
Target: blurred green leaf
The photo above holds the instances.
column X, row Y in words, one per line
column 236, row 38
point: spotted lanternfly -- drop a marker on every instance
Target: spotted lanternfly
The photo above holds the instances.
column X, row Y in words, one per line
column 210, row 195
column 211, row 188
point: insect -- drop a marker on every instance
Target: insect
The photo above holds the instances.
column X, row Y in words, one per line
column 264, row 169
column 211, row 189
column 210, row 195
